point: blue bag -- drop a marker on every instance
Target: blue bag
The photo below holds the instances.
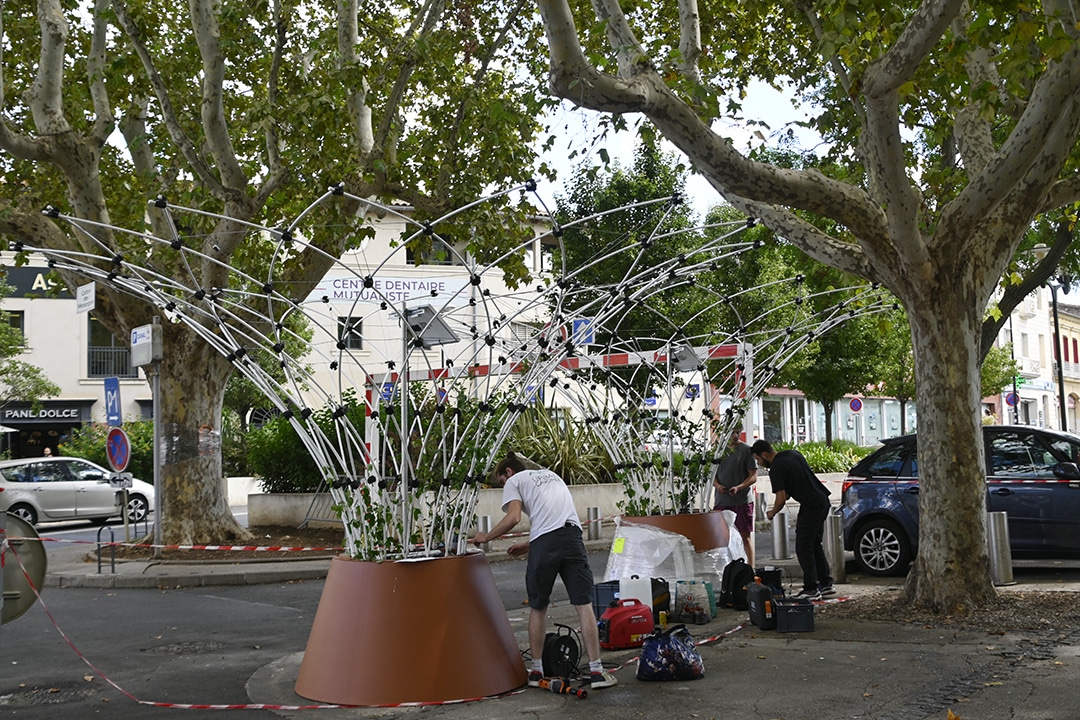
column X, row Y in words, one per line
column 670, row 655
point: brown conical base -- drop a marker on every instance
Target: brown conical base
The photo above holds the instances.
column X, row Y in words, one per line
column 404, row 632
column 706, row 531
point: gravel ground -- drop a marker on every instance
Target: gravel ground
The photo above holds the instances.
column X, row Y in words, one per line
column 1014, row 610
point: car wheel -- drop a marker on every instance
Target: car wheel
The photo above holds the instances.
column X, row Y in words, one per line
column 137, row 508
column 25, row 513
column 882, row 548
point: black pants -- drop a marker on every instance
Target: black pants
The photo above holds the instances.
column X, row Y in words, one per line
column 809, row 534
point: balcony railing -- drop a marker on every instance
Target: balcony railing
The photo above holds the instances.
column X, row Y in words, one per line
column 111, row 362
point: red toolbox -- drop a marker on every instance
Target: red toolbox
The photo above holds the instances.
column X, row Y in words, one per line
column 625, row 625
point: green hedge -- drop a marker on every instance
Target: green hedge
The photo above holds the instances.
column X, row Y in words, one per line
column 841, row 457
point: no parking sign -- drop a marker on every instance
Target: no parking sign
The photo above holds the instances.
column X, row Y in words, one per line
column 118, row 449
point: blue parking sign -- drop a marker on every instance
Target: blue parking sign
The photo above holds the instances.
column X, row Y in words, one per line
column 113, row 417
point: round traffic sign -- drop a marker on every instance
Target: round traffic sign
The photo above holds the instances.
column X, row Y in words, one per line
column 118, row 449
column 1011, row 399
column 856, row 404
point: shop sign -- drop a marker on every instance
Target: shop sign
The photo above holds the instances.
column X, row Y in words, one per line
column 57, row 413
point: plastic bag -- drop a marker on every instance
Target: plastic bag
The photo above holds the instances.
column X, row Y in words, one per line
column 670, row 655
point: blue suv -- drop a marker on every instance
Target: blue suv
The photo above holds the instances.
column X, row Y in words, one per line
column 1031, row 475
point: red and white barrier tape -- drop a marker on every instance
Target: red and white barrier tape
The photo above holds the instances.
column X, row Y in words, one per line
column 246, row 548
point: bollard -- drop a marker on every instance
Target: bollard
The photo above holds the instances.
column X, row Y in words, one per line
column 779, row 536
column 834, row 548
column 485, row 527
column 997, row 538
column 593, row 516
column 759, row 508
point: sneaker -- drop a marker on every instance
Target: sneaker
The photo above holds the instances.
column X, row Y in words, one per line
column 602, row 679
column 826, row 589
column 805, row 594
column 535, row 677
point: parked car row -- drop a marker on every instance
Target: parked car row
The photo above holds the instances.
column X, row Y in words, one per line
column 1031, row 475
column 66, row 488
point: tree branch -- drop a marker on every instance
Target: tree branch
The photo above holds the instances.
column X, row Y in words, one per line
column 572, row 76
column 1064, row 192
column 824, row 248
column 104, row 122
column 1036, row 139
column 168, row 112
column 215, row 126
column 46, row 93
column 886, row 74
column 621, row 37
column 1013, row 295
column 689, row 40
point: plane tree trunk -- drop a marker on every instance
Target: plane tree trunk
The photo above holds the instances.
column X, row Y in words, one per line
column 195, row 505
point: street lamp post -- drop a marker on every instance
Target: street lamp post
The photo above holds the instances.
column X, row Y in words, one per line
column 1058, row 281
column 1016, row 390
column 1054, row 284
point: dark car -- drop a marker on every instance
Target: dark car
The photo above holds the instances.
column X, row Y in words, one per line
column 1031, row 475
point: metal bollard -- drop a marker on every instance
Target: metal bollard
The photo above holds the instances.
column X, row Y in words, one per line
column 485, row 527
column 997, row 538
column 779, row 536
column 834, row 548
column 593, row 516
column 759, row 508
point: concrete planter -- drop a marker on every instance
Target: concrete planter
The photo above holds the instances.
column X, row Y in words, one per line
column 445, row 614
column 279, row 509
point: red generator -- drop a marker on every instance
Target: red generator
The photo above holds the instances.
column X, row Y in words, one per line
column 625, row 625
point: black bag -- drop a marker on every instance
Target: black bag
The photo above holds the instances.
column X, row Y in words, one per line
column 670, row 655
column 737, row 575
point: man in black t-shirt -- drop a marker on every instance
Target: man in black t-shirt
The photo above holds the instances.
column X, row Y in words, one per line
column 791, row 477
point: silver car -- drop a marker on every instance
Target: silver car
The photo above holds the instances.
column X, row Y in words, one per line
column 67, row 488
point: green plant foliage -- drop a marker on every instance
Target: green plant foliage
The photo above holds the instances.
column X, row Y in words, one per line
column 88, row 442
column 281, row 461
column 840, row 457
column 565, row 444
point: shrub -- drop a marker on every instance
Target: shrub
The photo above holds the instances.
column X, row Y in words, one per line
column 283, row 464
column 841, row 457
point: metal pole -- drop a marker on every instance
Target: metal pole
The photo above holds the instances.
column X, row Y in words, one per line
column 997, row 538
column 834, row 548
column 1012, row 356
column 1057, row 350
column 485, row 527
column 593, row 515
column 403, row 387
column 780, row 536
column 159, row 491
column 3, row 549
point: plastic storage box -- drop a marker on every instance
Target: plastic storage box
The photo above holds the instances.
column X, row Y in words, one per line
column 794, row 615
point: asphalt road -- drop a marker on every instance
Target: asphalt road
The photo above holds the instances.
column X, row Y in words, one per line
column 188, row 646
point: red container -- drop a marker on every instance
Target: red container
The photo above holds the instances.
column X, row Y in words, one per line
column 626, row 625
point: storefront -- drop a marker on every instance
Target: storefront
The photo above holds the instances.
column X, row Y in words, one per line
column 28, row 430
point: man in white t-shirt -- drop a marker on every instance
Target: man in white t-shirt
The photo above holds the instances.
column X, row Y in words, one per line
column 555, row 548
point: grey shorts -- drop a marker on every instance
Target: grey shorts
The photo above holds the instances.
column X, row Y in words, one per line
column 560, row 553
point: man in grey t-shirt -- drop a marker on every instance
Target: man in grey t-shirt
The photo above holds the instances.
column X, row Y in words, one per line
column 555, row 548
column 735, row 475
